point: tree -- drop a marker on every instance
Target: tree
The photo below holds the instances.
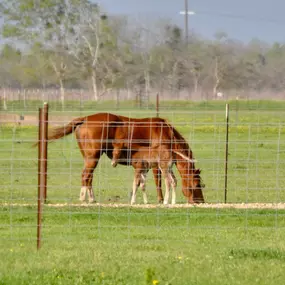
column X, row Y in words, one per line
column 93, row 46
column 10, row 60
column 45, row 23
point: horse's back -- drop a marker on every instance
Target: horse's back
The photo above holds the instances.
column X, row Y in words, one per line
column 97, row 131
column 102, row 118
column 145, row 131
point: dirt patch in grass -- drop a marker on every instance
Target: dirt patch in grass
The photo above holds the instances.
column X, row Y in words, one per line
column 153, row 206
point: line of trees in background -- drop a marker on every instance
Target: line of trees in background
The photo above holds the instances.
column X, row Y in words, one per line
column 72, row 44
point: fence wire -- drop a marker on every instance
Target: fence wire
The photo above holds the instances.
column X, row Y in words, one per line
column 256, row 184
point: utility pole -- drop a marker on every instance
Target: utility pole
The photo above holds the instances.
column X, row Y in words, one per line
column 186, row 20
column 186, row 13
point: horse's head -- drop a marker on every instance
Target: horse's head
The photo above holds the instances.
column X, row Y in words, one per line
column 197, row 187
column 193, row 185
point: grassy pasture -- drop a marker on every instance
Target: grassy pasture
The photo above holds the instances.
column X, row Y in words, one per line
column 143, row 246
column 97, row 245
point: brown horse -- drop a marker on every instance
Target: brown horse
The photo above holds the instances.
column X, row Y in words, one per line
column 96, row 133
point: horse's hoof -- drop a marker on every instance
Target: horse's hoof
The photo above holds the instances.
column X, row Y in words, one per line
column 198, row 201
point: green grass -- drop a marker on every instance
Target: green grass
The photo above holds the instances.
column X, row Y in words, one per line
column 137, row 246
column 20, row 106
column 97, row 245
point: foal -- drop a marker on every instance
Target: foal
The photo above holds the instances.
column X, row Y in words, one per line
column 145, row 158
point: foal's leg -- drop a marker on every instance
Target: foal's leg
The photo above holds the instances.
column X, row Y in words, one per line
column 167, row 191
column 173, row 182
column 142, row 185
column 167, row 187
column 136, row 183
column 157, row 178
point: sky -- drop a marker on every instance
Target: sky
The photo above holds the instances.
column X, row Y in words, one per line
column 240, row 19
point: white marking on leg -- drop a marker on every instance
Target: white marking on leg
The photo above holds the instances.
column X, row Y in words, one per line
column 173, row 198
column 173, row 183
column 133, row 200
column 91, row 195
column 145, row 198
column 143, row 185
column 167, row 190
column 83, row 191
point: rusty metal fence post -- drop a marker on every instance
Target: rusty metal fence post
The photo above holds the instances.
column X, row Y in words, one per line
column 45, row 149
column 42, row 167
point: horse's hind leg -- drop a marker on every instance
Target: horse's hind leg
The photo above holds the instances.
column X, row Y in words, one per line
column 90, row 164
column 157, row 178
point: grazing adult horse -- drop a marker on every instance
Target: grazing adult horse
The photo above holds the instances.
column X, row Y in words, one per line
column 96, row 133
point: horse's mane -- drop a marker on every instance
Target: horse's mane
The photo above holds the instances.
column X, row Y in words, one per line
column 180, row 143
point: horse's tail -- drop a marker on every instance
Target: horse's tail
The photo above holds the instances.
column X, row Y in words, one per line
column 60, row 132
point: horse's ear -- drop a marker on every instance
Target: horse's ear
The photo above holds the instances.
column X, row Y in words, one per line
column 197, row 171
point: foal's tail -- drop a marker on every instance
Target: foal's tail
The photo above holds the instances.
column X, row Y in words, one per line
column 60, row 132
column 184, row 156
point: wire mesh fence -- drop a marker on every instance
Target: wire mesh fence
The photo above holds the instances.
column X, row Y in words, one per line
column 139, row 59
column 255, row 180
